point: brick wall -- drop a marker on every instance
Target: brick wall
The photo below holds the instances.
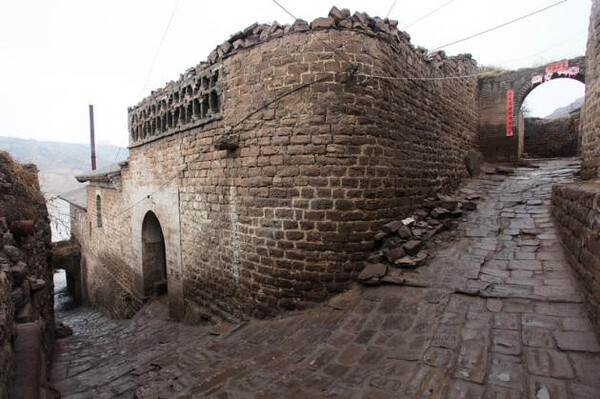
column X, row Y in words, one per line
column 577, row 211
column 590, row 117
column 550, row 138
column 286, row 216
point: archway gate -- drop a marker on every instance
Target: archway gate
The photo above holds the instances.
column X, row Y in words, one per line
column 501, row 95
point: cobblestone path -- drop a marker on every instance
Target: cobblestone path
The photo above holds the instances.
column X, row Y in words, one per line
column 501, row 317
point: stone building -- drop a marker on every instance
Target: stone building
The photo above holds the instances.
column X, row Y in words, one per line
column 257, row 180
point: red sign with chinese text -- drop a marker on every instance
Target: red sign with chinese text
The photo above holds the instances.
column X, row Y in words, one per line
column 557, row 67
column 510, row 94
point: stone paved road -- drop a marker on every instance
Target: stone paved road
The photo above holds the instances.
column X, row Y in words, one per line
column 501, row 317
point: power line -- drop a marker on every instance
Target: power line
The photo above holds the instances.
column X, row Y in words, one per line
column 162, row 39
column 285, row 9
column 428, row 14
column 552, row 46
column 391, row 8
column 418, row 78
column 499, row 26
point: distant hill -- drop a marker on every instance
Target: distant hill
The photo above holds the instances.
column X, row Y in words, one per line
column 60, row 162
column 564, row 111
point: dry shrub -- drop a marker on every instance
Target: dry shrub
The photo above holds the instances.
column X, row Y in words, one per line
column 20, row 195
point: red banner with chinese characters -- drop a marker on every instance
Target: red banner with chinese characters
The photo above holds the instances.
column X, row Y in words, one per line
column 557, row 67
column 510, row 94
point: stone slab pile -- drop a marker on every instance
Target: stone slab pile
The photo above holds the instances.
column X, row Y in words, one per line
column 337, row 19
column 402, row 243
column 26, row 287
column 343, row 19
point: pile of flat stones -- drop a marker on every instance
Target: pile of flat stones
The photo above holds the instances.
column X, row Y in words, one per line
column 337, row 19
column 402, row 243
column 26, row 288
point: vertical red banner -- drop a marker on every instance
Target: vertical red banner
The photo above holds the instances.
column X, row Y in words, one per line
column 510, row 94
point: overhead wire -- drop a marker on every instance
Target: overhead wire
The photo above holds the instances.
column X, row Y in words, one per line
column 500, row 26
column 552, row 46
column 391, row 8
column 156, row 53
column 428, row 14
column 418, row 77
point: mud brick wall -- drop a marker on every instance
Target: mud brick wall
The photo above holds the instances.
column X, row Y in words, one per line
column 590, row 120
column 576, row 208
column 287, row 215
column 26, row 284
column 550, row 138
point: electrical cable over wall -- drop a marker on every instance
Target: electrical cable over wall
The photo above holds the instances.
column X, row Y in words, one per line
column 391, row 8
column 162, row 39
column 427, row 15
column 499, row 26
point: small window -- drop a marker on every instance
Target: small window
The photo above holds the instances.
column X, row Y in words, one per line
column 98, row 211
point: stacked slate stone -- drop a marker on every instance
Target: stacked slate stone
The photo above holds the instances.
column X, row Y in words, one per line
column 256, row 33
column 337, row 19
column 26, row 289
column 402, row 243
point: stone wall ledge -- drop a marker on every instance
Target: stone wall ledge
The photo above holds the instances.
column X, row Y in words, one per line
column 576, row 208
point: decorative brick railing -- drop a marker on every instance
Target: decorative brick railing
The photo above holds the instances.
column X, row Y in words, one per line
column 193, row 100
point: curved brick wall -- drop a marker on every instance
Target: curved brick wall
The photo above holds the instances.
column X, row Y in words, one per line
column 287, row 217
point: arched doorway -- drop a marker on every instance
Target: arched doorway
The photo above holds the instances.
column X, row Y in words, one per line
column 556, row 80
column 551, row 114
column 154, row 264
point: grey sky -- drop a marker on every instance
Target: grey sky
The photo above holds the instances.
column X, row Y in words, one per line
column 60, row 56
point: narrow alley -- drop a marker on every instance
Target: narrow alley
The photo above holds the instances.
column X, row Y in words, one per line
column 499, row 315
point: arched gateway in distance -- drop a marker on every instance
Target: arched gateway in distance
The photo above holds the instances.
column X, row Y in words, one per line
column 501, row 95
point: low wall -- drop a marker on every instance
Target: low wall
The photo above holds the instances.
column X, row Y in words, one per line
column 577, row 211
column 550, row 138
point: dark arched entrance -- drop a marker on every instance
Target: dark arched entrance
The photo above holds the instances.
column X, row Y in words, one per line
column 154, row 264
